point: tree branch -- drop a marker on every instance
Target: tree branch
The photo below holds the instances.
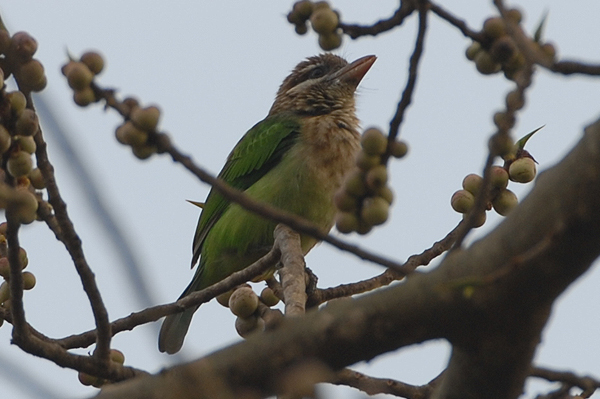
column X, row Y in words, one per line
column 490, row 301
column 293, row 272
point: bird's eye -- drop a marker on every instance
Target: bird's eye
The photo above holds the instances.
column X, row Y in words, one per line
column 316, row 72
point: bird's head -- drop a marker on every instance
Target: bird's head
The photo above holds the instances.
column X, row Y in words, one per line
column 320, row 85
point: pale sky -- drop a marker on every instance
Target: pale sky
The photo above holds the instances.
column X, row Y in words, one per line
column 213, row 68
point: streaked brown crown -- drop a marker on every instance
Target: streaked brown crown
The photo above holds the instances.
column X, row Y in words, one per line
column 318, row 86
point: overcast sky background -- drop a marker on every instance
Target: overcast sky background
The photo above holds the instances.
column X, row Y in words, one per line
column 213, row 68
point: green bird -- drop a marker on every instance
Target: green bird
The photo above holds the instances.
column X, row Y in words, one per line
column 295, row 160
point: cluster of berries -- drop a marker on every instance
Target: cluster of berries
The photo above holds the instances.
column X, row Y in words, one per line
column 89, row 380
column 243, row 302
column 28, row 277
column 519, row 168
column 135, row 132
column 17, row 59
column 19, row 125
column 365, row 198
column 80, row 75
column 497, row 51
column 323, row 20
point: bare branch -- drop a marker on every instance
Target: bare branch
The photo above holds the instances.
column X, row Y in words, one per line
column 355, row 31
column 292, row 273
column 387, row 277
column 491, row 355
column 374, row 386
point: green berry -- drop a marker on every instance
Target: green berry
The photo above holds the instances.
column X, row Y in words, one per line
column 5, row 139
column 36, row 179
column 494, row 27
column 330, row 41
column 247, row 325
column 462, row 201
column 398, row 149
column 23, row 46
column 375, row 211
column 346, row 222
column 23, row 205
column 117, row 356
column 268, row 297
column 472, row 50
column 503, row 120
column 515, row 100
column 86, row 379
column 4, row 292
column 93, row 61
column 386, row 193
column 25, row 143
column 301, row 28
column 303, row 8
column 472, row 183
column 23, row 260
column 17, row 101
column 223, row 298
column 364, row 227
column 143, row 152
column 31, row 75
column 27, row 124
column 377, row 177
column 28, row 280
column 79, row 75
column 324, row 21
column 549, row 50
column 515, row 15
column 373, row 141
column 485, row 63
column 243, row 302
column 365, row 161
column 345, row 202
column 145, row 118
column 19, row 164
column 355, row 184
column 504, row 202
column 522, row 170
column 84, row 97
column 498, row 177
column 128, row 134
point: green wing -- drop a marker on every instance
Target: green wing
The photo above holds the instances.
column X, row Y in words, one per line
column 254, row 155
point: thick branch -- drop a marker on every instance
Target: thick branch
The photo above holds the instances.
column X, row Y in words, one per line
column 491, row 301
column 292, row 273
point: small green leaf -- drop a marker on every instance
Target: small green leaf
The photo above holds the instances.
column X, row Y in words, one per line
column 521, row 143
column 537, row 36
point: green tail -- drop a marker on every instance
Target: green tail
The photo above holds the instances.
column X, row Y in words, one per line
column 173, row 330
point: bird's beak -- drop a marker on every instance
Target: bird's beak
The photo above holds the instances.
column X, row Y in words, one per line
column 353, row 73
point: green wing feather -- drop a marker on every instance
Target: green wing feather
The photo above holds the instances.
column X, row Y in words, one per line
column 257, row 152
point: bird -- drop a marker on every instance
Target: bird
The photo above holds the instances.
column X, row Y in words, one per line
column 295, row 160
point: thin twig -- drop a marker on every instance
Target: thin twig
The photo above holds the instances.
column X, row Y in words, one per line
column 387, row 277
column 72, row 243
column 374, row 386
column 588, row 384
column 199, row 297
column 355, row 31
column 457, row 22
column 19, row 333
column 407, row 93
